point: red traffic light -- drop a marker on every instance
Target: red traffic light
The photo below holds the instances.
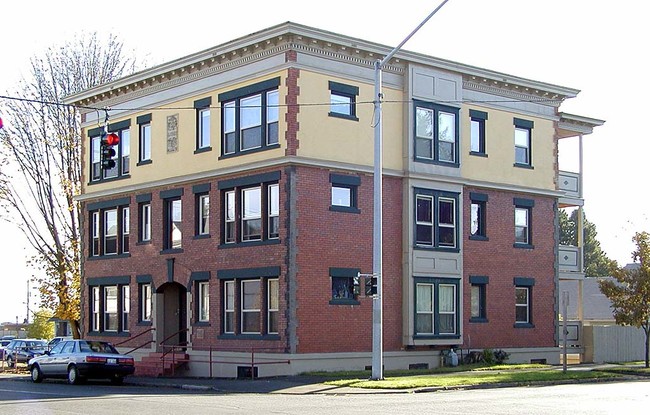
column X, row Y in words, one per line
column 112, row 139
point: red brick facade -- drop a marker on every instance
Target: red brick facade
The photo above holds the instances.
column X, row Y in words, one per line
column 498, row 259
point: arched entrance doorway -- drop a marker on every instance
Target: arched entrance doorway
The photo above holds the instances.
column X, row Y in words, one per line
column 172, row 314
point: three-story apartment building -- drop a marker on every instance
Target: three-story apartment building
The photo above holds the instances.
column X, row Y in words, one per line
column 239, row 212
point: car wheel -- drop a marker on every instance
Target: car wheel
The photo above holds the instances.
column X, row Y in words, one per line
column 37, row 375
column 73, row 376
column 10, row 362
column 117, row 380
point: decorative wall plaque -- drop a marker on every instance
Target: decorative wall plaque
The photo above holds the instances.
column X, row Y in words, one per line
column 172, row 133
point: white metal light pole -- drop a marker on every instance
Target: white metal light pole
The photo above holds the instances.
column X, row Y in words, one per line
column 377, row 302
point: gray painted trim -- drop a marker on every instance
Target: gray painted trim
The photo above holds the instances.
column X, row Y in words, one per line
column 248, row 272
column 115, row 280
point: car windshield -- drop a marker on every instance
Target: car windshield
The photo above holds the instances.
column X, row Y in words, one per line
column 99, row 347
column 35, row 344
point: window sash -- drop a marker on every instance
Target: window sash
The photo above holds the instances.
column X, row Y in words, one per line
column 229, row 127
column 95, row 158
column 146, row 222
column 446, row 136
column 273, row 302
column 477, row 140
column 274, row 211
column 522, row 146
column 250, row 113
column 447, row 308
column 110, row 232
column 341, row 196
column 126, row 307
column 424, row 133
column 424, row 220
column 522, row 234
column 203, row 128
column 204, row 214
column 145, row 142
column 522, row 305
column 96, row 308
column 446, row 222
column 229, row 307
column 477, row 219
column 252, row 214
column 272, row 117
column 96, row 234
column 125, row 148
column 229, row 215
column 476, row 302
column 204, row 302
column 110, row 308
column 175, row 220
column 250, row 307
column 425, row 309
column 126, row 224
column 146, row 298
column 341, row 103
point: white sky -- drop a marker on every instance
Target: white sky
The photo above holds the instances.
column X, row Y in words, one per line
column 597, row 46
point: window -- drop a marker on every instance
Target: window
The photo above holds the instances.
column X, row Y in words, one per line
column 250, row 306
column 109, row 304
column 122, row 151
column 274, row 211
column 125, row 150
column 478, row 216
column 435, row 219
column 204, row 301
column 145, row 302
column 521, row 305
column 95, row 234
column 251, row 214
column 96, row 310
column 203, row 214
column 345, row 193
column 173, row 235
column 478, row 296
column 523, row 229
column 273, row 302
column 109, row 228
column 250, row 118
column 477, row 132
column 343, row 100
column 436, row 307
column 345, row 285
column 126, row 307
column 110, row 232
column 144, row 128
column 251, row 302
column 145, row 222
column 202, row 107
column 229, row 307
column 251, row 209
column 436, row 133
column 126, row 223
column 110, row 309
column 523, row 301
column 523, row 142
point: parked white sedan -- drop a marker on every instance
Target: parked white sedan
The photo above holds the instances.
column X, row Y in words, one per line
column 77, row 360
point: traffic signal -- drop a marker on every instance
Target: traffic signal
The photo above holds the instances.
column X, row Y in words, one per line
column 371, row 286
column 107, row 151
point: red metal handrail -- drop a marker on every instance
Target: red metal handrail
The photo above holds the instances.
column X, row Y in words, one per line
column 134, row 337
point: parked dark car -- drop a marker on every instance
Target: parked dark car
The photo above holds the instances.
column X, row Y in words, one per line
column 77, row 360
column 21, row 350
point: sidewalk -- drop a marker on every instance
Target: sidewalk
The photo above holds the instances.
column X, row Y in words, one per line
column 294, row 385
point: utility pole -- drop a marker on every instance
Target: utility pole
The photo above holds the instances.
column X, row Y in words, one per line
column 377, row 302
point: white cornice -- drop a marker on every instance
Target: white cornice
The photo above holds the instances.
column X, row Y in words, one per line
column 280, row 38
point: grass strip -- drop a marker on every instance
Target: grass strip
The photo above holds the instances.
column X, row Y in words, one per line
column 469, row 379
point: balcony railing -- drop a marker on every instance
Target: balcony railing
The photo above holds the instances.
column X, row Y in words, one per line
column 570, row 259
column 569, row 182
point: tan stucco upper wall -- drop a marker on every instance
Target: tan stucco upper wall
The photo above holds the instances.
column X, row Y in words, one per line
column 343, row 140
column 185, row 161
column 498, row 166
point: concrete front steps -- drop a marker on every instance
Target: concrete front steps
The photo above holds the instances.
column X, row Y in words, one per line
column 153, row 364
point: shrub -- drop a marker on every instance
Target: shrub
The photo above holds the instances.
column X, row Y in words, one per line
column 488, row 356
column 500, row 356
